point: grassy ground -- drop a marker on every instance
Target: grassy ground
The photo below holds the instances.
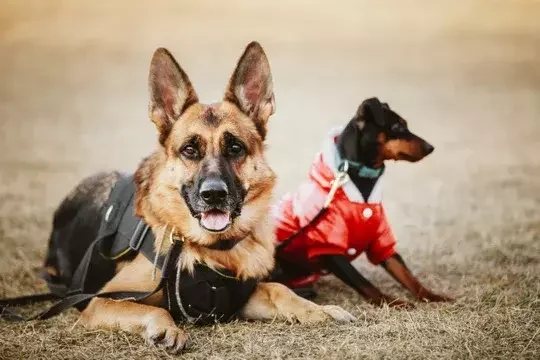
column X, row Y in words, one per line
column 72, row 80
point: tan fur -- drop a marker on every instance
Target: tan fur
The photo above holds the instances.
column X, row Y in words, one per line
column 177, row 114
column 276, row 301
column 394, row 150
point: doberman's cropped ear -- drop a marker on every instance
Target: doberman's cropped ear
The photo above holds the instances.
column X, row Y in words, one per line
column 250, row 87
column 171, row 92
column 370, row 111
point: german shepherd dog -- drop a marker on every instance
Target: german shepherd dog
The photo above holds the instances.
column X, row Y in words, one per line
column 208, row 181
column 355, row 221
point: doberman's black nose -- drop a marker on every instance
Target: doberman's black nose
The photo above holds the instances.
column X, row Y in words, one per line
column 213, row 191
column 428, row 148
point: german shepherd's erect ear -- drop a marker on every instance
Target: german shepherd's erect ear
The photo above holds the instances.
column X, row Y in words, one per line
column 171, row 92
column 251, row 88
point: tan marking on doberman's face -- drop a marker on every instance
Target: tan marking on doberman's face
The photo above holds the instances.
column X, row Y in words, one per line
column 396, row 142
column 411, row 150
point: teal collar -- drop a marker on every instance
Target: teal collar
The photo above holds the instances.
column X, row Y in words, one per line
column 363, row 170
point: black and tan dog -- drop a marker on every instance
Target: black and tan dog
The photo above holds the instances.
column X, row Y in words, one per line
column 354, row 222
column 208, row 182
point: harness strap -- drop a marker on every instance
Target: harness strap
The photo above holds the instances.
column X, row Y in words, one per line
column 6, row 313
column 169, row 263
column 78, row 283
column 81, row 273
column 340, row 179
column 188, row 318
column 28, row 299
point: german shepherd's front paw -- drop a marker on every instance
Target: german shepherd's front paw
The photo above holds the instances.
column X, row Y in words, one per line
column 167, row 336
column 273, row 300
column 172, row 339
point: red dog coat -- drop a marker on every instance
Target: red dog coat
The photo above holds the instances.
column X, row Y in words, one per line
column 350, row 226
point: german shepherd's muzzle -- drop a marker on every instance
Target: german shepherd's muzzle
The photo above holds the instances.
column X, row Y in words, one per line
column 216, row 195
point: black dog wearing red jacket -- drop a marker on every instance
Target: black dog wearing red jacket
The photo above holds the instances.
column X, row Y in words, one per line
column 355, row 221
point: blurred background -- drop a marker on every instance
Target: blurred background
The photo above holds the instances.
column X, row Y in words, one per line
column 73, row 76
column 465, row 74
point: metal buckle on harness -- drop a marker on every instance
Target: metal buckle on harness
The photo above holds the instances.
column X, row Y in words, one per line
column 341, row 179
column 138, row 236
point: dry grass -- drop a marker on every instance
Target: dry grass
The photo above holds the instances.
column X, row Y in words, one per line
column 465, row 74
column 495, row 316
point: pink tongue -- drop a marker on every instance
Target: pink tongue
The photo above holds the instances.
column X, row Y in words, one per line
column 215, row 220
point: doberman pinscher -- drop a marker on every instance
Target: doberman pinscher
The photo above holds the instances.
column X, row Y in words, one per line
column 323, row 226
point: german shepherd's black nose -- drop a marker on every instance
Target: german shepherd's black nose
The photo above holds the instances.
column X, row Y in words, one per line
column 213, row 191
column 428, row 148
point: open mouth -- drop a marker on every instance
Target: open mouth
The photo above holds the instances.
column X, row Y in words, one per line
column 215, row 220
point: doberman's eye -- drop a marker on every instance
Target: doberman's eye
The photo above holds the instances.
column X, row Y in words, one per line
column 397, row 128
column 235, row 149
column 190, row 152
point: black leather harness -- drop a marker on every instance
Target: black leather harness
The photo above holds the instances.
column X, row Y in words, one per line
column 204, row 296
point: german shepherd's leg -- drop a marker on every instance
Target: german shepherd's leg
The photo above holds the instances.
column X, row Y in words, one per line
column 154, row 324
column 274, row 300
column 341, row 267
column 397, row 268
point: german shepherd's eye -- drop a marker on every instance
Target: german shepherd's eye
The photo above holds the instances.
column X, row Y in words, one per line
column 235, row 149
column 190, row 152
